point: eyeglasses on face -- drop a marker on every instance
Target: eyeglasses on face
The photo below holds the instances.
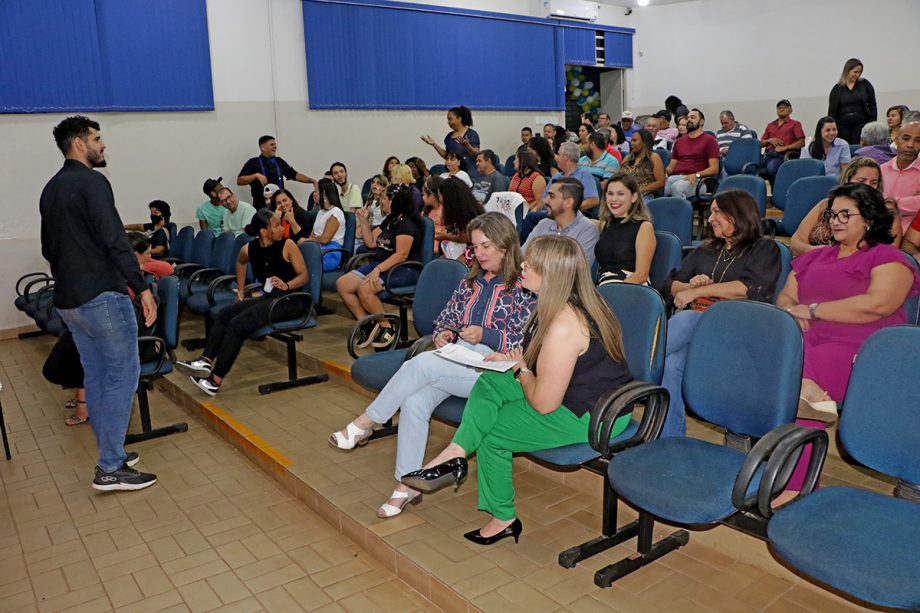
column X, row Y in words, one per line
column 843, row 215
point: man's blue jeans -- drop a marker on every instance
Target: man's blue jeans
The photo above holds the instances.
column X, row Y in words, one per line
column 105, row 331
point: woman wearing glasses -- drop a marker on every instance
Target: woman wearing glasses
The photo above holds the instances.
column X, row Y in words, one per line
column 815, row 231
column 843, row 293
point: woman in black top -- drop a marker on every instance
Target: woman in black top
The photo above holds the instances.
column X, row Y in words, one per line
column 278, row 264
column 852, row 102
column 296, row 223
column 574, row 354
column 397, row 239
column 737, row 263
column 626, row 243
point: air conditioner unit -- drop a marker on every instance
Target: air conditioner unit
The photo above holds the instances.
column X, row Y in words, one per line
column 571, row 9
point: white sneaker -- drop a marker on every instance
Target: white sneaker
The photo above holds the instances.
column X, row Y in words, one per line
column 195, row 368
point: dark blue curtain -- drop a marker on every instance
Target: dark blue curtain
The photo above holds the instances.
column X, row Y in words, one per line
column 618, row 48
column 579, row 46
column 388, row 57
column 104, row 55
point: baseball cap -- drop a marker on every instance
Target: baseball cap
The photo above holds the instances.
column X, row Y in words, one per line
column 783, row 102
column 210, row 184
column 270, row 189
column 626, row 115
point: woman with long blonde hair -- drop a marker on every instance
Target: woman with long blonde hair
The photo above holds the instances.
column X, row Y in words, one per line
column 573, row 354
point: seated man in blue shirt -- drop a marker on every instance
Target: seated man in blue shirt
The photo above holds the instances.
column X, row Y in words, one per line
column 563, row 199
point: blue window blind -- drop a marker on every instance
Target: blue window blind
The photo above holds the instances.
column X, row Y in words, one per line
column 618, row 47
column 403, row 57
column 104, row 55
column 579, row 46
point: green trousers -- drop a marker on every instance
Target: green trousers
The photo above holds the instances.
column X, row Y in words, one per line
column 498, row 422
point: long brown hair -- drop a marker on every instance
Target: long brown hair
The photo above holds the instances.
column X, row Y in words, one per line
column 740, row 207
column 567, row 281
column 504, row 236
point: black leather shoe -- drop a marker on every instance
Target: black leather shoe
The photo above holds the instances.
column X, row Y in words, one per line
column 514, row 530
column 432, row 479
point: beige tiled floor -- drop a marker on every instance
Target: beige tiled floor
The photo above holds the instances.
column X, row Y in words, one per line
column 214, row 533
column 218, row 532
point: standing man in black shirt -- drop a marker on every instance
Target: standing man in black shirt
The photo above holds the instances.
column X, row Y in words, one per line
column 268, row 168
column 92, row 262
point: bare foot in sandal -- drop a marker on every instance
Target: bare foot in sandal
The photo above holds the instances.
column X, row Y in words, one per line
column 79, row 416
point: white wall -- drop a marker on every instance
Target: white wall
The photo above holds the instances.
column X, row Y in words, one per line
column 748, row 54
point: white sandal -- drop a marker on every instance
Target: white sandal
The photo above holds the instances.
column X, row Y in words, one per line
column 354, row 437
column 388, row 510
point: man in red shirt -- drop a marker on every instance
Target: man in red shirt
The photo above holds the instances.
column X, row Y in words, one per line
column 694, row 157
column 783, row 139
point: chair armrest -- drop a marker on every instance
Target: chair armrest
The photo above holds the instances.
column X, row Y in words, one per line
column 420, row 345
column 184, row 270
column 619, row 402
column 173, row 261
column 163, row 354
column 783, row 461
column 750, row 168
column 200, row 275
column 353, row 262
column 41, row 293
column 307, row 312
column 48, row 287
column 406, row 264
column 39, row 278
column 215, row 285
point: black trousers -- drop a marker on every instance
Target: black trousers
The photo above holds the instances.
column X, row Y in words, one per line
column 234, row 323
column 63, row 367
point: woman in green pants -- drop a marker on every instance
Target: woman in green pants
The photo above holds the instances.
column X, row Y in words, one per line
column 574, row 353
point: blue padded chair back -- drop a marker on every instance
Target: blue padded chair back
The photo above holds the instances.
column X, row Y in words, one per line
column 366, row 189
column 802, row 196
column 438, row 169
column 668, row 256
column 674, row 215
column 642, row 316
column 238, row 243
column 744, row 367
column 785, row 267
column 751, row 184
column 665, row 156
column 182, row 247
column 313, row 258
column 912, row 304
column 173, row 232
column 878, row 420
column 427, row 240
column 201, row 248
column 741, row 152
column 435, row 286
column 509, row 166
column 167, row 326
column 854, row 149
column 350, row 232
column 222, row 252
column 788, row 173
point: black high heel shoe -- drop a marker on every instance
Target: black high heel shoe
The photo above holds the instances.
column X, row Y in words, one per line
column 514, row 530
column 432, row 479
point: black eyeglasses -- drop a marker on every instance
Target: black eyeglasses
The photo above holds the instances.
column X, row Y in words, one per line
column 843, row 216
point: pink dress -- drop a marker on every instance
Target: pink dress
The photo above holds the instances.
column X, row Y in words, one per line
column 823, row 277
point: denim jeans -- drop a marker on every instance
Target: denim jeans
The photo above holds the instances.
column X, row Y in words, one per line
column 680, row 329
column 105, row 331
column 417, row 388
column 678, row 186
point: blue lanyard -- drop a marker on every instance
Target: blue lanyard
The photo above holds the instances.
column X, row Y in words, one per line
column 277, row 168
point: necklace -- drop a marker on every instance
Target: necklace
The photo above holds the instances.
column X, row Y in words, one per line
column 728, row 264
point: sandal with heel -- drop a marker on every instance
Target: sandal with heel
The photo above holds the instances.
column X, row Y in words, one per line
column 354, row 437
column 388, row 510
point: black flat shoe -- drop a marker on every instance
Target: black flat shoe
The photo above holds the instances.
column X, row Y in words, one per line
column 432, row 479
column 514, row 530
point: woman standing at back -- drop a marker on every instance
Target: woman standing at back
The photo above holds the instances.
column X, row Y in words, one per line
column 852, row 102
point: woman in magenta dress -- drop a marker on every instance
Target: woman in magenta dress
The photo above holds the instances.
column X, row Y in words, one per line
column 843, row 293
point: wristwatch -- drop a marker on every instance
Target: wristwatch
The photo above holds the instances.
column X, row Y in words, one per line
column 520, row 371
column 698, row 176
column 811, row 310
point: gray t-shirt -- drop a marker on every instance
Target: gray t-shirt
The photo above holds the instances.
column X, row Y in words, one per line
column 582, row 230
column 486, row 184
